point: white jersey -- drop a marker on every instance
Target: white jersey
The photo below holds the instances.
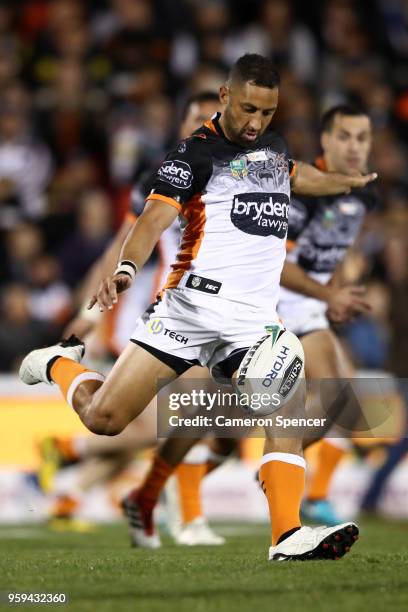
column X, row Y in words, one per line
column 233, row 205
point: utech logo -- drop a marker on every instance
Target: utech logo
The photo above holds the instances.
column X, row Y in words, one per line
column 261, row 214
column 155, row 326
column 176, row 173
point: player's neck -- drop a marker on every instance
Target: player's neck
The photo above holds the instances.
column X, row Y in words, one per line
column 224, row 129
column 328, row 164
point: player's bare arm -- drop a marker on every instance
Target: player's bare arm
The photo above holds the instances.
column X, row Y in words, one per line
column 308, row 180
column 137, row 248
column 343, row 301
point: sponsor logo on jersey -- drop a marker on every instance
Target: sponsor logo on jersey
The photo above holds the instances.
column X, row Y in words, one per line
column 257, row 156
column 156, row 326
column 348, row 208
column 182, row 147
column 329, row 218
column 290, row 376
column 176, row 173
column 261, row 214
column 203, row 284
column 321, row 258
column 239, row 168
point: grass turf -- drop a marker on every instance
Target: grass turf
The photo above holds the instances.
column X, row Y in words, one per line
column 99, row 571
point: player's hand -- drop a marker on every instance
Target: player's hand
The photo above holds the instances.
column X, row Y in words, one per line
column 346, row 302
column 356, row 181
column 107, row 294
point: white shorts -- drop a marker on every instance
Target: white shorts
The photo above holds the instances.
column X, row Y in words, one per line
column 187, row 328
column 303, row 315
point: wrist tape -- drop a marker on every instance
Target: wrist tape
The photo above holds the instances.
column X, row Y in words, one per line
column 127, row 267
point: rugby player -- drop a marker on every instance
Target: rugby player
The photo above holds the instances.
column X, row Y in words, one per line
column 321, row 230
column 231, row 185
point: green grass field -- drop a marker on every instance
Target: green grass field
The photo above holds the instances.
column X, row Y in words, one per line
column 99, row 572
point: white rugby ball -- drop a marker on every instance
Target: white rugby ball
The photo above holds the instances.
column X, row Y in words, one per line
column 274, row 365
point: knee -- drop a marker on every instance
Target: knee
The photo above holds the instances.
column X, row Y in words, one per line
column 103, row 420
column 105, row 428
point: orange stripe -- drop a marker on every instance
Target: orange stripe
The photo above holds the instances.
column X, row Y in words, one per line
column 209, row 124
column 293, row 171
column 131, row 217
column 193, row 234
column 162, row 198
column 290, row 245
column 320, row 164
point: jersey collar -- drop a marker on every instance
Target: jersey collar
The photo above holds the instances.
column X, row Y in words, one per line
column 320, row 163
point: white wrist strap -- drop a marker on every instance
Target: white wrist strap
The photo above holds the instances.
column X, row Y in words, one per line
column 127, row 267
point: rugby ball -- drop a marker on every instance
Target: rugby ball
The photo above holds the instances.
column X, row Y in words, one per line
column 274, row 365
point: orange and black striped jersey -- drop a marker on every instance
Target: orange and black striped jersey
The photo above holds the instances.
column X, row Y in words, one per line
column 233, row 204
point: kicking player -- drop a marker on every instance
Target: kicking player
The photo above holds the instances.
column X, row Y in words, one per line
column 231, row 185
column 321, row 230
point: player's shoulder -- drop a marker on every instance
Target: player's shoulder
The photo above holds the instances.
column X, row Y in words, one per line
column 141, row 189
column 195, row 147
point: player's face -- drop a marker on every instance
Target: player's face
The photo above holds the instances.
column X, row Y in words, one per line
column 347, row 145
column 247, row 111
column 197, row 114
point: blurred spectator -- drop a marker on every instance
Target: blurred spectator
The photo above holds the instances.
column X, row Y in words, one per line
column 19, row 330
column 79, row 174
column 25, row 168
column 50, row 298
column 80, row 249
column 277, row 35
column 71, row 114
column 23, row 243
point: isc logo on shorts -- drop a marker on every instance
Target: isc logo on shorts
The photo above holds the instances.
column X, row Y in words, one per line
column 261, row 214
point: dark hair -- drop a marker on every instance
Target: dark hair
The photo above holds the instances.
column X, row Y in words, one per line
column 204, row 96
column 347, row 110
column 256, row 69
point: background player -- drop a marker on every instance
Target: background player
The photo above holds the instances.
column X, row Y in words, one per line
column 321, row 230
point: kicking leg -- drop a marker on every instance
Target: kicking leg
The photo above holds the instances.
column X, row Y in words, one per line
column 104, row 406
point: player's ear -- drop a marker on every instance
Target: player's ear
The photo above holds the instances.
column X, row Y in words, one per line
column 224, row 94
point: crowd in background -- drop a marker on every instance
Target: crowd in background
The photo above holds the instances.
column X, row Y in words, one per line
column 91, row 93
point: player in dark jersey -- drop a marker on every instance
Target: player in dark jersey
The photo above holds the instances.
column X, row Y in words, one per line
column 321, row 230
column 233, row 178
